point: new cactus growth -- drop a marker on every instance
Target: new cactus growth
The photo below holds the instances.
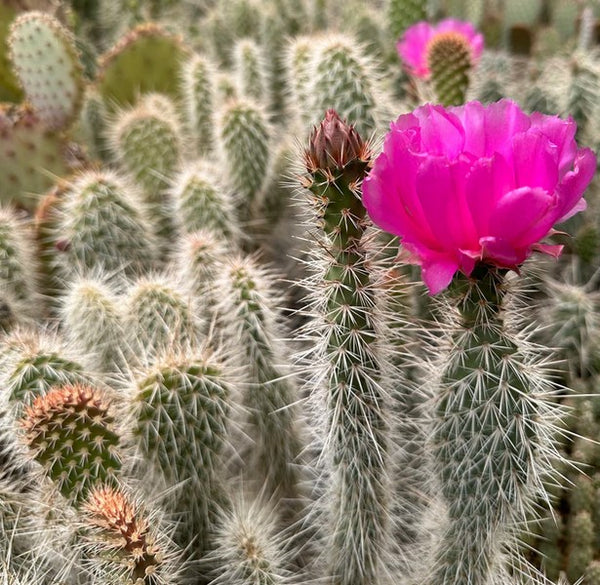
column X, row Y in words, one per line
column 69, row 432
column 46, row 62
column 123, row 544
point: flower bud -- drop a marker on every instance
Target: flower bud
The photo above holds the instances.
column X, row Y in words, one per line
column 334, row 144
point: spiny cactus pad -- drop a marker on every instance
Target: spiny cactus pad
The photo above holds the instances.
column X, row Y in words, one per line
column 46, row 62
column 69, row 432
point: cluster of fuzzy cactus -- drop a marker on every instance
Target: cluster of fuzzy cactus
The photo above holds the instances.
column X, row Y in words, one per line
column 216, row 368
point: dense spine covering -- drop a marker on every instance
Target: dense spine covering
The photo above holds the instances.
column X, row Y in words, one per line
column 356, row 434
column 203, row 202
column 69, row 431
column 94, row 323
column 147, row 143
column 198, row 88
column 491, row 432
column 245, row 136
column 344, row 80
column 449, row 59
column 248, row 310
column 250, row 70
column 248, row 550
column 181, row 413
column 101, row 226
column 159, row 315
column 17, row 264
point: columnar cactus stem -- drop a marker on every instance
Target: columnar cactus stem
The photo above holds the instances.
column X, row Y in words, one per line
column 491, row 431
column 356, row 444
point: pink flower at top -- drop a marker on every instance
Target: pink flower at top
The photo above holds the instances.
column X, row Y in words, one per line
column 414, row 45
column 476, row 183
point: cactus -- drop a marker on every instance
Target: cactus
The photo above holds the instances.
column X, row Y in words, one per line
column 146, row 60
column 356, row 430
column 250, row 70
column 69, row 432
column 17, row 264
column 123, row 544
column 449, row 59
column 146, row 141
column 248, row 551
column 203, row 202
column 9, row 85
column 101, row 226
column 245, row 136
column 247, row 311
column 181, row 411
column 46, row 61
column 159, row 315
column 33, row 363
column 404, row 13
column 199, row 100
column 299, row 62
column 491, row 431
column 344, row 80
column 93, row 321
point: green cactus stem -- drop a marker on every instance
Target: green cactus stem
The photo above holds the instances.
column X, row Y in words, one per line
column 357, row 431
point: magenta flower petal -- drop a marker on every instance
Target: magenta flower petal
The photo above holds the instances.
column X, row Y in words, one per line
column 476, row 184
column 412, row 48
column 493, row 176
column 523, row 216
column 441, row 132
column 438, row 273
column 574, row 183
column 535, row 161
column 561, row 133
column 415, row 41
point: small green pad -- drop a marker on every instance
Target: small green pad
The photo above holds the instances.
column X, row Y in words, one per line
column 146, row 60
column 46, row 62
column 31, row 156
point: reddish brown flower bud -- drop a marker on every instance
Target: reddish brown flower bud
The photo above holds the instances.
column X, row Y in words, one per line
column 334, row 144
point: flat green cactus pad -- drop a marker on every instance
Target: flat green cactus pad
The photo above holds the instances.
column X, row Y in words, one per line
column 146, row 60
column 31, row 156
column 47, row 64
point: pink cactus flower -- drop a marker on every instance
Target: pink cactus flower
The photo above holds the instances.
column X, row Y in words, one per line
column 414, row 45
column 476, row 183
